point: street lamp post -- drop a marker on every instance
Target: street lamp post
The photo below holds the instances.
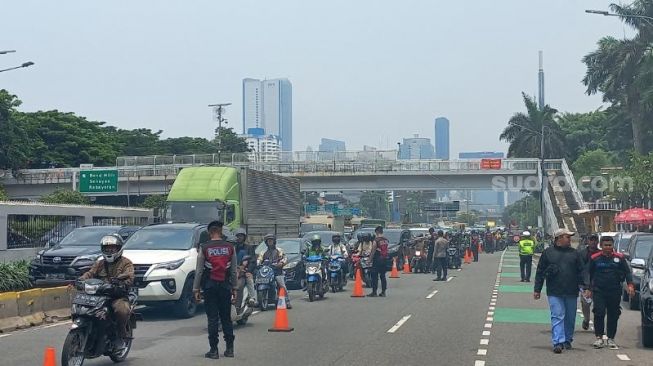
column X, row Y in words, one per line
column 24, row 64
column 218, row 109
column 6, row 52
column 648, row 19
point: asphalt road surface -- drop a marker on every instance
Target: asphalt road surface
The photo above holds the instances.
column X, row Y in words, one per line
column 421, row 322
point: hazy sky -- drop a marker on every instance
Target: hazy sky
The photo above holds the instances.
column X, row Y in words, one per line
column 368, row 72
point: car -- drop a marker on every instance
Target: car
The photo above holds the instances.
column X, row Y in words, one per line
column 294, row 269
column 621, row 241
column 646, row 299
column 639, row 250
column 418, row 232
column 77, row 251
column 397, row 239
column 164, row 258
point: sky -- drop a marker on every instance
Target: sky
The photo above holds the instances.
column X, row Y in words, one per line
column 367, row 72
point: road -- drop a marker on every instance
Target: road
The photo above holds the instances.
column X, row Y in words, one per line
column 444, row 323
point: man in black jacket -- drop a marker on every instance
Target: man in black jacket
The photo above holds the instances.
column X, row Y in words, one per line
column 562, row 268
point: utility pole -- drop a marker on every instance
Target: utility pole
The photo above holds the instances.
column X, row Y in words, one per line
column 218, row 112
column 542, row 105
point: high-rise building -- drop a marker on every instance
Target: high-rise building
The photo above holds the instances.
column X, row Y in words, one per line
column 262, row 147
column 442, row 138
column 416, row 148
column 481, row 155
column 267, row 104
column 332, row 145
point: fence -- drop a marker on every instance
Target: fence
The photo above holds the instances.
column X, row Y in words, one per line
column 24, row 226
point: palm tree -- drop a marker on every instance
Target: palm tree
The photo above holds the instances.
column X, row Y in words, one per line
column 523, row 132
column 619, row 69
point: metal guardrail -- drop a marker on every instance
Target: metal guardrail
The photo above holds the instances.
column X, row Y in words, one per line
column 571, row 181
column 549, row 213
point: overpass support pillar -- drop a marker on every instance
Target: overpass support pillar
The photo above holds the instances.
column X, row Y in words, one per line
column 88, row 220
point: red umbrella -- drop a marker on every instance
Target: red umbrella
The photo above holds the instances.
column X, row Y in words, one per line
column 638, row 216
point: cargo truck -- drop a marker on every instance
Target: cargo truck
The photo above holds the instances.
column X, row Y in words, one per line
column 258, row 201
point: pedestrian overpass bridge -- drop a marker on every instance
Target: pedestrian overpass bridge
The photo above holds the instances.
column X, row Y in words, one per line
column 320, row 172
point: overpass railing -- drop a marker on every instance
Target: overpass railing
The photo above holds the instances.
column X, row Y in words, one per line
column 354, row 163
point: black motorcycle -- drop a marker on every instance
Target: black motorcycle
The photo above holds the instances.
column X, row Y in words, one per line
column 453, row 256
column 93, row 329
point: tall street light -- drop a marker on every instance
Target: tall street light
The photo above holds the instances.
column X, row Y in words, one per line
column 6, row 52
column 648, row 19
column 24, row 64
column 218, row 109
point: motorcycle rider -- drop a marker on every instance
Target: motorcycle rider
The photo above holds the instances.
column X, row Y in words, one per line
column 113, row 267
column 216, row 279
column 526, row 249
column 246, row 268
column 277, row 259
column 338, row 248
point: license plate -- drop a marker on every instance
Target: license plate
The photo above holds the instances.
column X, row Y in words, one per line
column 55, row 276
column 262, row 280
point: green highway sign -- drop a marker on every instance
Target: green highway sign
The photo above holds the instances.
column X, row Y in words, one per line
column 98, row 181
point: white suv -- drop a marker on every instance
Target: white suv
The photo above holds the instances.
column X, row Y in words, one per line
column 164, row 258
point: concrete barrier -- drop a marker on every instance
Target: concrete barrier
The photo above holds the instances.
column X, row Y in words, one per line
column 23, row 309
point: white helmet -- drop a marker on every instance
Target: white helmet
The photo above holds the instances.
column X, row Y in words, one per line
column 526, row 233
column 111, row 247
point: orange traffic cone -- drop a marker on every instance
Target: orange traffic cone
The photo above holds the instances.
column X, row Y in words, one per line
column 358, row 285
column 468, row 257
column 49, row 358
column 281, row 317
column 395, row 272
column 406, row 265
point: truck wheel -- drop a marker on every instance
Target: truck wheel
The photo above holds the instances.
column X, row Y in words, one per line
column 186, row 306
column 647, row 336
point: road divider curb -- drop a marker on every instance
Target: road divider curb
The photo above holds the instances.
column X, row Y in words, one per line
column 24, row 309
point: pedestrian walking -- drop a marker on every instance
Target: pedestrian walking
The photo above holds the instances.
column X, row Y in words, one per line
column 440, row 256
column 379, row 262
column 586, row 255
column 475, row 244
column 562, row 268
column 216, row 280
column 608, row 270
column 526, row 249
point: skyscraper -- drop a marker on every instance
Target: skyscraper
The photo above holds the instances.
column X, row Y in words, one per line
column 332, row 145
column 442, row 138
column 267, row 104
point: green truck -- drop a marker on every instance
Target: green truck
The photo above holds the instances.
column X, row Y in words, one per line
column 260, row 202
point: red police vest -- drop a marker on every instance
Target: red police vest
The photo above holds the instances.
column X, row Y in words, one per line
column 218, row 254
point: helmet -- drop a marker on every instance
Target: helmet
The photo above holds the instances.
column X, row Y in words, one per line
column 316, row 239
column 526, row 233
column 240, row 231
column 270, row 237
column 111, row 247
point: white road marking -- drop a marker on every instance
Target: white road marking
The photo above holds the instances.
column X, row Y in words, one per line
column 490, row 313
column 4, row 335
column 489, row 319
column 493, row 304
column 479, row 363
column 481, row 352
column 449, row 279
column 488, row 325
column 256, row 312
column 399, row 323
column 485, row 342
column 486, row 333
column 492, row 308
column 459, row 269
column 432, row 294
column 623, row 357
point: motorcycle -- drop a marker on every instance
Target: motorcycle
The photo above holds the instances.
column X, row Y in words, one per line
column 337, row 279
column 266, row 285
column 93, row 329
column 454, row 257
column 364, row 263
column 241, row 310
column 418, row 262
column 314, row 277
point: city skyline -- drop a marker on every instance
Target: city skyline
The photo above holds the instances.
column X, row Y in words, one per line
column 267, row 104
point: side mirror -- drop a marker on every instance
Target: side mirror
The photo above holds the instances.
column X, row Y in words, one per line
column 638, row 263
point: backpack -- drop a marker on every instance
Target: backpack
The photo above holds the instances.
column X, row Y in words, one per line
column 382, row 246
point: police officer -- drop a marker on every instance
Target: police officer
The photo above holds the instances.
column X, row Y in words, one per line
column 608, row 269
column 215, row 275
column 526, row 249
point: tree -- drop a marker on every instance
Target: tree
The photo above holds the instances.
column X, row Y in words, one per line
column 524, row 212
column 469, row 218
column 67, row 197
column 138, row 142
column 15, row 147
column 186, row 146
column 3, row 194
column 374, row 204
column 589, row 164
column 523, row 132
column 230, row 142
column 156, row 201
column 620, row 69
